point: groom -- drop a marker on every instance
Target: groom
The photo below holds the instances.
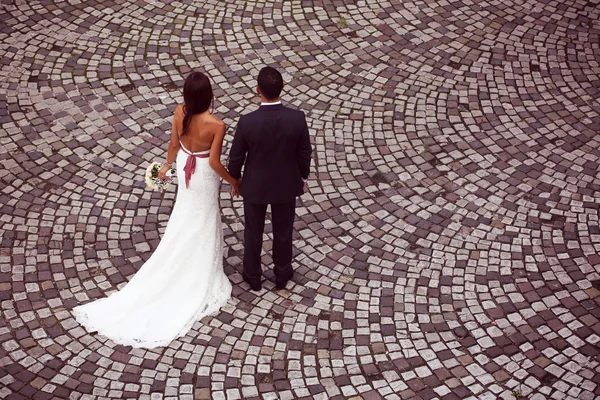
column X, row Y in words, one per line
column 273, row 143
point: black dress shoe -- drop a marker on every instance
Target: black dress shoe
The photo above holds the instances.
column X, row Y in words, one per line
column 254, row 286
column 280, row 284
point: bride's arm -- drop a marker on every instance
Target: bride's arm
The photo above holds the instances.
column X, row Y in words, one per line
column 173, row 143
column 215, row 155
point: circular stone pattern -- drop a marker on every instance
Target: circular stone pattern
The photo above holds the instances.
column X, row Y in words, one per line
column 448, row 245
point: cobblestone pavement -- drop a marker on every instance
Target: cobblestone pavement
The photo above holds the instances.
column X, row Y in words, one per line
column 448, row 248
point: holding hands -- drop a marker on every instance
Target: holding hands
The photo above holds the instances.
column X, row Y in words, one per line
column 235, row 188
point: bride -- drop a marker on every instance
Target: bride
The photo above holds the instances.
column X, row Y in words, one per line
column 183, row 280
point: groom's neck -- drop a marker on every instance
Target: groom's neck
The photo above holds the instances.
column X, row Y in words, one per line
column 263, row 99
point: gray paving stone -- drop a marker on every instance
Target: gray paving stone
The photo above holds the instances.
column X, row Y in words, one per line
column 448, row 245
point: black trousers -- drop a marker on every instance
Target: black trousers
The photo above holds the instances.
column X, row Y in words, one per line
column 282, row 217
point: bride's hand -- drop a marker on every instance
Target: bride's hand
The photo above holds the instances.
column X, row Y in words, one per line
column 162, row 173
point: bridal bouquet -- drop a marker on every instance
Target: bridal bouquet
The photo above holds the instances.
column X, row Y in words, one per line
column 152, row 179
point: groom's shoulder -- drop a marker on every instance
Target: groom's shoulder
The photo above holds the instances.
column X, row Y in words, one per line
column 251, row 114
column 293, row 110
column 259, row 114
column 248, row 118
column 293, row 114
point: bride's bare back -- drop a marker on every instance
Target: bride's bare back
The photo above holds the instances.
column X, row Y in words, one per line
column 201, row 132
column 206, row 132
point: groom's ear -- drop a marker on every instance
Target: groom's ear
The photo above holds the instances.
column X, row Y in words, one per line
column 258, row 90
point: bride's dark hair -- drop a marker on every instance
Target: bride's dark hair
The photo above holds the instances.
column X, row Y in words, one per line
column 197, row 96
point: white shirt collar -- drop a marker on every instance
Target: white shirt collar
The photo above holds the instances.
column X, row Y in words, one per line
column 270, row 104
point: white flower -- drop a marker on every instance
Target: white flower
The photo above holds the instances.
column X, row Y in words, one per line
column 151, row 177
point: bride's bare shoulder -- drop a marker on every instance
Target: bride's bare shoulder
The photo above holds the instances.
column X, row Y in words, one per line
column 179, row 111
column 215, row 121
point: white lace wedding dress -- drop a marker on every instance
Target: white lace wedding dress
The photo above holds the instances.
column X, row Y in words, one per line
column 182, row 281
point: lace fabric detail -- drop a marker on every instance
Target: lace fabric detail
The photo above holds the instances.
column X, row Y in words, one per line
column 214, row 304
column 182, row 282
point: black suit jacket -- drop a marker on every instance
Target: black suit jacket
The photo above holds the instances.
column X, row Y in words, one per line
column 273, row 142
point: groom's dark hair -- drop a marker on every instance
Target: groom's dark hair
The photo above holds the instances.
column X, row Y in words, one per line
column 270, row 83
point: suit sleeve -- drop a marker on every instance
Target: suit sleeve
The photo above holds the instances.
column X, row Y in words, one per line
column 237, row 155
column 304, row 151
